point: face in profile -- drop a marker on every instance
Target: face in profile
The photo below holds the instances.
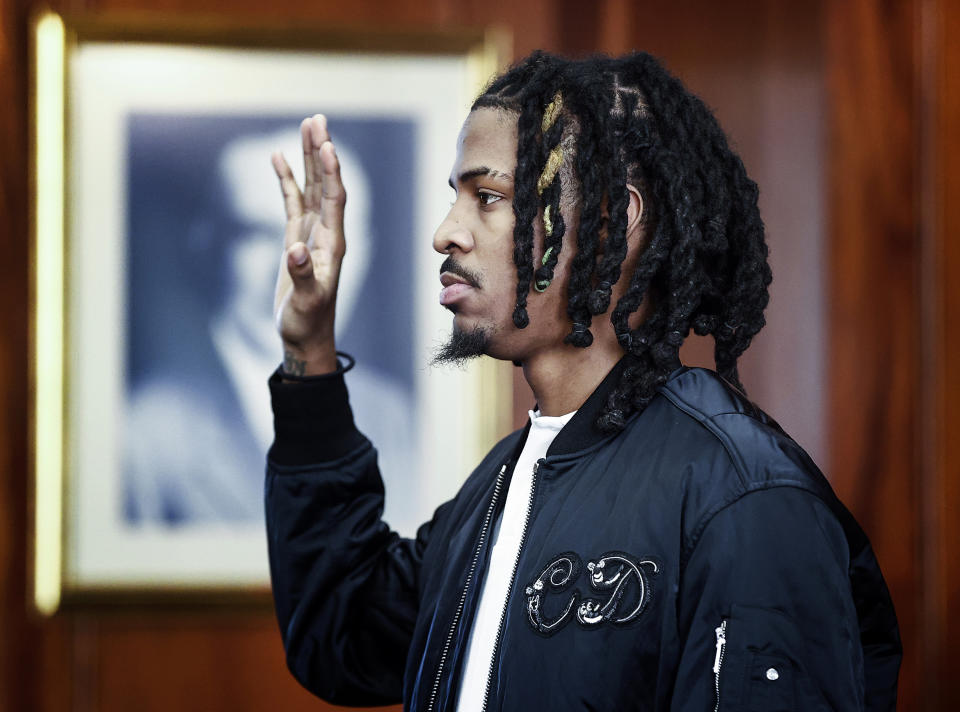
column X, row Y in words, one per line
column 479, row 277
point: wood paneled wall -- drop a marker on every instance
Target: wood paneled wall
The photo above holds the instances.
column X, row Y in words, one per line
column 892, row 157
column 844, row 115
column 874, row 288
column 940, row 333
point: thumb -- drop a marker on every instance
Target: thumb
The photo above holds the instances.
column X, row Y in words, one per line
column 300, row 267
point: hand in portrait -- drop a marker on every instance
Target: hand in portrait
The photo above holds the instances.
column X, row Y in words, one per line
column 314, row 243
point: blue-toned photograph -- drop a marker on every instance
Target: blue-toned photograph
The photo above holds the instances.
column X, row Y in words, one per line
column 205, row 227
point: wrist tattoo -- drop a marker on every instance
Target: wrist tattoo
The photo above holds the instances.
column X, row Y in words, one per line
column 293, row 365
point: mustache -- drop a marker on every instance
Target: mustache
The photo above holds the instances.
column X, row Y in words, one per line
column 453, row 267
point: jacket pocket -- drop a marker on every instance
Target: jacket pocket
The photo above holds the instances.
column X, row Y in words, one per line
column 761, row 668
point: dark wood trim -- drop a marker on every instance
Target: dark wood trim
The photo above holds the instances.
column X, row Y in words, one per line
column 19, row 677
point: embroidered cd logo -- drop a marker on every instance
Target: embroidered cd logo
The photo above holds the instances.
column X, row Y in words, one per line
column 621, row 578
column 559, row 574
column 617, row 574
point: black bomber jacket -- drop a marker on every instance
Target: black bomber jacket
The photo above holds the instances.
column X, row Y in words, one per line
column 697, row 560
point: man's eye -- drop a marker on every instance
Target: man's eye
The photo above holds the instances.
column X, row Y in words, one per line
column 488, row 198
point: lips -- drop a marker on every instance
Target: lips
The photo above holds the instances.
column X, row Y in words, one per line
column 447, row 279
column 454, row 289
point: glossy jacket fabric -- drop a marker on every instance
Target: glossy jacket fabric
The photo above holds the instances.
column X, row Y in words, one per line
column 698, row 560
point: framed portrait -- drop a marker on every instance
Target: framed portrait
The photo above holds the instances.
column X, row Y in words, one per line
column 158, row 229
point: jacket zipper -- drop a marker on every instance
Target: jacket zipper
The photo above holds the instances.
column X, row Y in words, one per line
column 466, row 586
column 513, row 576
column 718, row 660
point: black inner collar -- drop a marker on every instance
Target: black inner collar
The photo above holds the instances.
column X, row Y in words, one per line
column 582, row 430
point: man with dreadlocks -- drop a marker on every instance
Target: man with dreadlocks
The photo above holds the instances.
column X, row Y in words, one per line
column 651, row 540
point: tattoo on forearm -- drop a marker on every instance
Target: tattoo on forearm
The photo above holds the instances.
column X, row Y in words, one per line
column 292, row 365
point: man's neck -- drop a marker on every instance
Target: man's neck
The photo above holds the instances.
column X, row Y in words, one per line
column 562, row 379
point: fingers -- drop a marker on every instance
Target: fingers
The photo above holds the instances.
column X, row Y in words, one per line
column 300, row 267
column 318, row 136
column 334, row 197
column 292, row 197
column 313, row 134
column 323, row 193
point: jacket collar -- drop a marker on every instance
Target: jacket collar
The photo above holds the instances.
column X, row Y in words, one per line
column 582, row 431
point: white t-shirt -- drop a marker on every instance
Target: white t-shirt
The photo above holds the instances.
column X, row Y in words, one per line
column 505, row 540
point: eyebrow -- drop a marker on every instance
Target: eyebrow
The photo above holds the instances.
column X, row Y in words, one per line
column 480, row 171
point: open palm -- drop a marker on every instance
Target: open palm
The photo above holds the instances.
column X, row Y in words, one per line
column 314, row 245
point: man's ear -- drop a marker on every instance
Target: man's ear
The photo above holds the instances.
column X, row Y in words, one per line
column 634, row 209
column 634, row 214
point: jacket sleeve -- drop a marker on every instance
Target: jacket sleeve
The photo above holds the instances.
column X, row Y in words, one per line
column 345, row 587
column 765, row 610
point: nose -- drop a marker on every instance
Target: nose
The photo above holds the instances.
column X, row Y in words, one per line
column 452, row 235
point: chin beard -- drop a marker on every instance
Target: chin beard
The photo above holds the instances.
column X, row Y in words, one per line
column 462, row 346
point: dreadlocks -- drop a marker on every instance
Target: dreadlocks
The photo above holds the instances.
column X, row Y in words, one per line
column 598, row 125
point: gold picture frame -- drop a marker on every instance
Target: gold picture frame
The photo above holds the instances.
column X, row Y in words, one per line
column 113, row 97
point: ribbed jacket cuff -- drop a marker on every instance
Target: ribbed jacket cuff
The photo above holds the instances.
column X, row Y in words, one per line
column 312, row 419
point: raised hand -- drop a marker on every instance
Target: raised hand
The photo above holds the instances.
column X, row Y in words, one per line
column 314, row 246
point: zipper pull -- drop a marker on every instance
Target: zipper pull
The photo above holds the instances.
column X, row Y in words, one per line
column 721, row 641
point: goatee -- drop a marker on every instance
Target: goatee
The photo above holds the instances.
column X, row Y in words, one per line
column 462, row 346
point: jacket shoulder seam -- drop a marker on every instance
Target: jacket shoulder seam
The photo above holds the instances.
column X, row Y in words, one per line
column 707, row 422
